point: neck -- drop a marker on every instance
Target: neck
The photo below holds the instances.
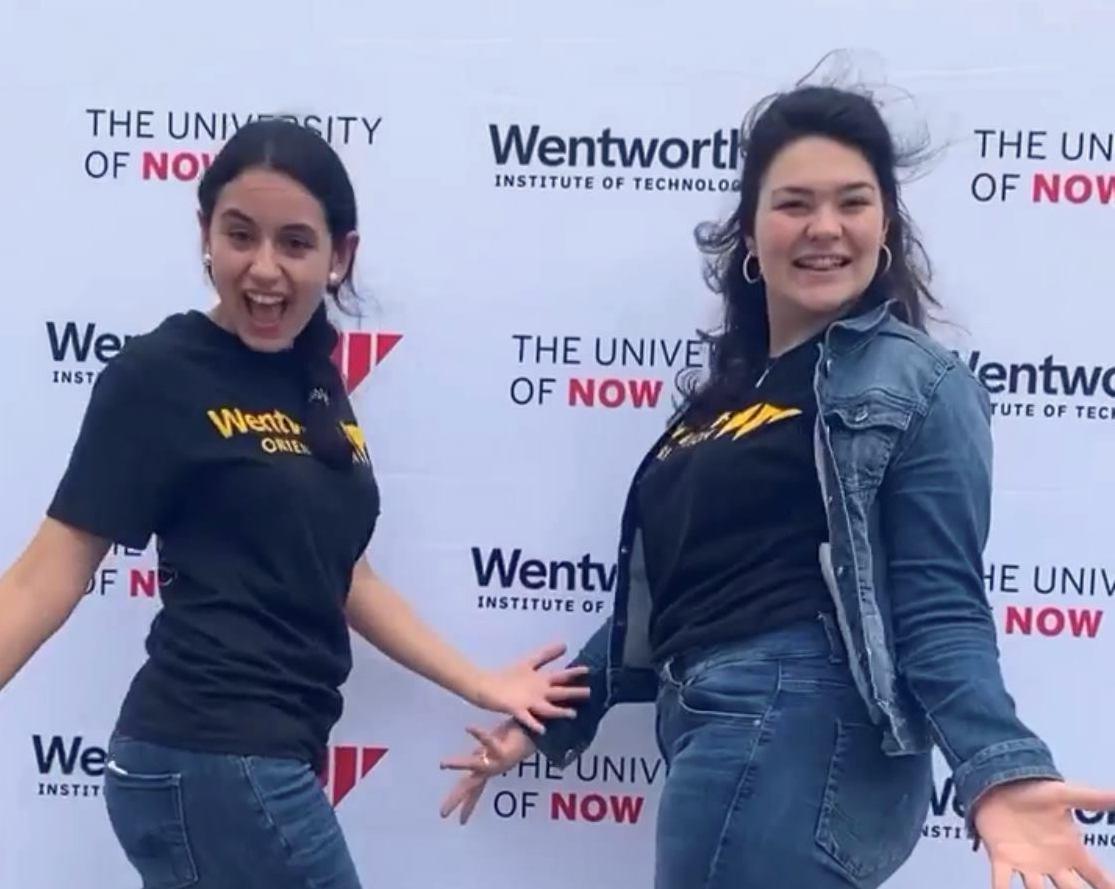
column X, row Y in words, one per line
column 218, row 317
column 788, row 329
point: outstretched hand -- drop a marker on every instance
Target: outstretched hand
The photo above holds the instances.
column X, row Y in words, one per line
column 523, row 691
column 499, row 750
column 1027, row 828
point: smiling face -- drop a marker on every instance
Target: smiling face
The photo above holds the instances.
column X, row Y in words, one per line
column 271, row 257
column 819, row 228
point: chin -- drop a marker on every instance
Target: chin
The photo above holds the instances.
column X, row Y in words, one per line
column 265, row 344
column 833, row 302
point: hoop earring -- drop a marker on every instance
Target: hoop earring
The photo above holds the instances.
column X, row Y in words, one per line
column 890, row 260
column 758, row 274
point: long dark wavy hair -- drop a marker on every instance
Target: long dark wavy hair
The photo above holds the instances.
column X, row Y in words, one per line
column 739, row 348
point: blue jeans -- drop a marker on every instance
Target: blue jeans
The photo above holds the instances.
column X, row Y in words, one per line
column 776, row 776
column 212, row 821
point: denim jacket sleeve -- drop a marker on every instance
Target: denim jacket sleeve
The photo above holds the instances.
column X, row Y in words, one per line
column 936, row 506
column 565, row 739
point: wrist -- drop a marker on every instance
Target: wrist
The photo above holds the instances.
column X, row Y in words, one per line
column 520, row 740
column 477, row 688
column 524, row 743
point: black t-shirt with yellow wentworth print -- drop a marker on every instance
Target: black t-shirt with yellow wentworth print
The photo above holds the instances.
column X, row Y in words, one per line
column 733, row 518
column 195, row 438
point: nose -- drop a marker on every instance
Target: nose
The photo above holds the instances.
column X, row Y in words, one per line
column 265, row 265
column 825, row 224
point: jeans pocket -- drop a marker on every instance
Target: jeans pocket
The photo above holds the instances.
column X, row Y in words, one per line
column 296, row 809
column 736, row 691
column 148, row 820
column 874, row 805
column 815, row 675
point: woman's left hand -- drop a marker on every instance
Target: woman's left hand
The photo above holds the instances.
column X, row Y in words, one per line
column 1028, row 829
column 523, row 691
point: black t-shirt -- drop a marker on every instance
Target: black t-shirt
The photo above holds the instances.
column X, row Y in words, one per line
column 193, row 437
column 733, row 519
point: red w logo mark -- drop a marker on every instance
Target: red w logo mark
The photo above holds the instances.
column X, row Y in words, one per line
column 346, row 767
column 357, row 353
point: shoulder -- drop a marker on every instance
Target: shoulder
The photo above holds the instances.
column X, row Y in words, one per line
column 950, row 408
column 147, row 362
column 161, row 343
column 920, row 366
column 163, row 349
column 896, row 338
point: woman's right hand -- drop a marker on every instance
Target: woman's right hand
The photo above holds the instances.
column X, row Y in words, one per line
column 505, row 746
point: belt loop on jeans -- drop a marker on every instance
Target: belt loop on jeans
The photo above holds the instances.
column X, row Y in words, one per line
column 832, row 633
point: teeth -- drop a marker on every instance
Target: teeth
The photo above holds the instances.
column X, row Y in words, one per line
column 827, row 262
column 264, row 300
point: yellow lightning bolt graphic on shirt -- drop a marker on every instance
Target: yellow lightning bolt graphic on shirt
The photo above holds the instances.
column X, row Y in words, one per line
column 754, row 417
column 740, row 422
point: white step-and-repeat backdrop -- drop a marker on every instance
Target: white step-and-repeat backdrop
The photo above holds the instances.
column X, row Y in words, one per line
column 529, row 178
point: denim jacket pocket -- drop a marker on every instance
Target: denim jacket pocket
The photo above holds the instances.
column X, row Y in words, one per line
column 863, row 434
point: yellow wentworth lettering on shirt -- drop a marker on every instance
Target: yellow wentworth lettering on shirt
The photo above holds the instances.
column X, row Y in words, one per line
column 285, row 424
column 278, row 433
column 232, row 421
column 284, row 446
column 227, row 420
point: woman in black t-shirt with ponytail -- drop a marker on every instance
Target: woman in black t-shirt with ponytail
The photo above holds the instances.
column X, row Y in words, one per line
column 229, row 436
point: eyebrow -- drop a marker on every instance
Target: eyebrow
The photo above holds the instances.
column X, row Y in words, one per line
column 801, row 190
column 234, row 215
column 237, row 216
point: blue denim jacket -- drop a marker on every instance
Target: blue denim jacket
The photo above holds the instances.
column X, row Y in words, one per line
column 903, row 451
